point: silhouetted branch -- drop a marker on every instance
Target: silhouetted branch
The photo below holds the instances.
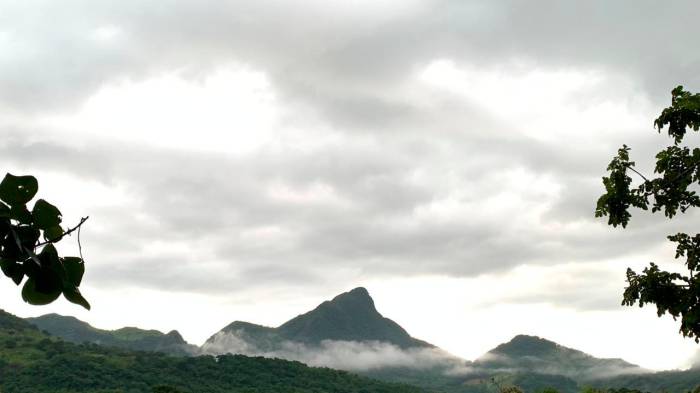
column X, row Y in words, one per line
column 68, row 232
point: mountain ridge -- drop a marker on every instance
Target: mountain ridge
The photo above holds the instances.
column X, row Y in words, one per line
column 76, row 331
column 33, row 361
column 349, row 326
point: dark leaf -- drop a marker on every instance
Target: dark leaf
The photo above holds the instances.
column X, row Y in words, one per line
column 33, row 295
column 18, row 190
column 21, row 214
column 53, row 234
column 75, row 268
column 4, row 210
column 46, row 215
column 73, row 295
column 12, row 269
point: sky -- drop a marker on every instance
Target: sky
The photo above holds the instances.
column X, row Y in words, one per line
column 246, row 160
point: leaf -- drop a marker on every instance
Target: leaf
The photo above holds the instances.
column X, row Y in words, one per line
column 73, row 295
column 18, row 190
column 4, row 227
column 46, row 215
column 21, row 214
column 50, row 260
column 4, row 210
column 27, row 237
column 32, row 295
column 53, row 234
column 75, row 268
column 12, row 269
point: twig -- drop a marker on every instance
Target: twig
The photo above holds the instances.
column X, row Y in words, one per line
column 68, row 232
column 637, row 172
column 80, row 247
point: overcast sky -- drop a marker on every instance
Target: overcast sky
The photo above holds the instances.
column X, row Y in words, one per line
column 248, row 160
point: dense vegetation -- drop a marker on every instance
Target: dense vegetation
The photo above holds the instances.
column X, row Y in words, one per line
column 32, row 361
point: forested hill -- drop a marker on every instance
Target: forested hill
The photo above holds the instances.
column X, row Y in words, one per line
column 534, row 354
column 76, row 331
column 32, row 361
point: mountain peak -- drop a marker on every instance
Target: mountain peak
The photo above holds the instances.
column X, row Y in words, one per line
column 350, row 316
column 525, row 345
column 359, row 291
column 356, row 300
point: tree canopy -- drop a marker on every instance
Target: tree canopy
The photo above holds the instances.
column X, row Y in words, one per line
column 27, row 245
column 672, row 189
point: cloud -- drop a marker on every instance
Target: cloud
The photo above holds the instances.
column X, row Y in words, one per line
column 343, row 355
column 367, row 356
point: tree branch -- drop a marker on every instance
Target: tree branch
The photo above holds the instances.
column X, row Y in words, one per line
column 637, row 172
column 68, row 232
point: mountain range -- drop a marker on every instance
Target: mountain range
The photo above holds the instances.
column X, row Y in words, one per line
column 349, row 333
column 33, row 361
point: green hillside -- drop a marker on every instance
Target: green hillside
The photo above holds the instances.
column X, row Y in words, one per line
column 76, row 331
column 31, row 361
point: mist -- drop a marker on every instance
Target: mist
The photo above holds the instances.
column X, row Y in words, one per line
column 343, row 355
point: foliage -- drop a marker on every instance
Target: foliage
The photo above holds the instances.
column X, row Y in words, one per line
column 27, row 248
column 677, row 172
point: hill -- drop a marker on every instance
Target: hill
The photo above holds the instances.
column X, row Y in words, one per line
column 534, row 354
column 32, row 361
column 76, row 331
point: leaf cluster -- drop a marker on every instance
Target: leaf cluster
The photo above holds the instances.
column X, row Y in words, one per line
column 27, row 249
column 672, row 189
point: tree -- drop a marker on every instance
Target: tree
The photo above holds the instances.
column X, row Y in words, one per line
column 671, row 190
column 27, row 240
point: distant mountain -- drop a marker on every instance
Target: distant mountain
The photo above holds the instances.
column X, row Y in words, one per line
column 534, row 354
column 348, row 333
column 32, row 361
column 337, row 329
column 76, row 331
column 350, row 316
